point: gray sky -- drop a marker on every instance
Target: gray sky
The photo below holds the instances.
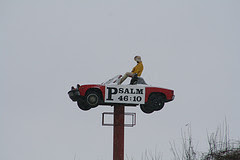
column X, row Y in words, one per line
column 46, row 46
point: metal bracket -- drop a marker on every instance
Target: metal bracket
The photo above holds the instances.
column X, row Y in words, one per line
column 131, row 124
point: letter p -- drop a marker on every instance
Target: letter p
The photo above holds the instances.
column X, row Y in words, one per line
column 111, row 91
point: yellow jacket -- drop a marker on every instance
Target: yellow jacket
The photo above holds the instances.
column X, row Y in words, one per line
column 138, row 69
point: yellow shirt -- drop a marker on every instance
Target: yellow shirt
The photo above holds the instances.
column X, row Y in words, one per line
column 138, row 69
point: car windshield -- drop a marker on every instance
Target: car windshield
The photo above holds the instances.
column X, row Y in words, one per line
column 113, row 80
column 116, row 79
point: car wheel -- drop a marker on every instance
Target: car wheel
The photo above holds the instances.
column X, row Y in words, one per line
column 156, row 101
column 146, row 108
column 82, row 105
column 92, row 98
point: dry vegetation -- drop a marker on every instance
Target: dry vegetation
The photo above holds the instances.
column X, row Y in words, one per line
column 221, row 147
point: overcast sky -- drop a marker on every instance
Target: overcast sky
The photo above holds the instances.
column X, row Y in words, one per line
column 49, row 45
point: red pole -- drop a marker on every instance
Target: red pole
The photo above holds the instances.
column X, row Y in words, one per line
column 118, row 131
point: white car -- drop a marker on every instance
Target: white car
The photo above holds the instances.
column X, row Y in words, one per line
column 110, row 93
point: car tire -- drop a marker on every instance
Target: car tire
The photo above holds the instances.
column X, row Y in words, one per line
column 82, row 105
column 146, row 108
column 156, row 101
column 92, row 98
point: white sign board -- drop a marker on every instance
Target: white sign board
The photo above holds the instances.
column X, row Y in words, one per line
column 129, row 94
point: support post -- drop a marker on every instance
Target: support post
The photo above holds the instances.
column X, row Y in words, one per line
column 118, row 131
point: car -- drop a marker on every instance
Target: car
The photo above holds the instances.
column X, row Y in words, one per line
column 138, row 92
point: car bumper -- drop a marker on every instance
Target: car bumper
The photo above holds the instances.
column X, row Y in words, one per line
column 173, row 97
column 74, row 95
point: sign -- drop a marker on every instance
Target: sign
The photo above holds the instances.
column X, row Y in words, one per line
column 124, row 94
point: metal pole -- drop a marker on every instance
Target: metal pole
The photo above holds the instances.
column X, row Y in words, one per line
column 118, row 131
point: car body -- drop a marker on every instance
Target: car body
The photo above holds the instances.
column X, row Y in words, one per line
column 111, row 93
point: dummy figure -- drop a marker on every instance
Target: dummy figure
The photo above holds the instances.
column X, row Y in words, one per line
column 136, row 71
